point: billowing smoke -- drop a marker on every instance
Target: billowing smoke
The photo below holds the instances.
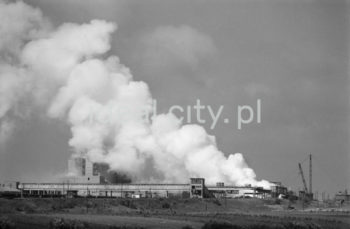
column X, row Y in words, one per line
column 64, row 72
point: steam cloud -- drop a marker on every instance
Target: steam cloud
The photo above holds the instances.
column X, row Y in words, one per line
column 62, row 72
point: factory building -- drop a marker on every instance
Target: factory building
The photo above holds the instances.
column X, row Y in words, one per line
column 195, row 189
column 221, row 191
column 9, row 189
column 105, row 190
column 82, row 171
column 278, row 190
column 343, row 196
column 86, row 179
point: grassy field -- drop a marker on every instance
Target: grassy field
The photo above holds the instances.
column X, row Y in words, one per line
column 165, row 213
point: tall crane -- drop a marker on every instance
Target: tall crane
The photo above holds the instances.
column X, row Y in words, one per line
column 302, row 176
column 310, row 174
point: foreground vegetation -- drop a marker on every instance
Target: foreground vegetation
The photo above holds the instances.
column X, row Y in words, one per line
column 163, row 213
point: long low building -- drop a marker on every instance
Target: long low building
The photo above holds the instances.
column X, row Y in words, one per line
column 221, row 191
column 196, row 188
column 105, row 190
column 87, row 180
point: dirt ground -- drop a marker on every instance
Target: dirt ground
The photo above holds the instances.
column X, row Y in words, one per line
column 166, row 213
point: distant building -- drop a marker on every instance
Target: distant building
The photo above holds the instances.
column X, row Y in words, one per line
column 88, row 179
column 8, row 186
column 196, row 188
column 278, row 190
column 342, row 196
column 82, row 170
column 222, row 191
column 9, row 189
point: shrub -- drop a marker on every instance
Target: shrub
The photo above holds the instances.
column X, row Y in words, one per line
column 278, row 201
column 220, row 225
column 126, row 227
column 187, row 227
column 60, row 223
column 217, row 202
column 128, row 203
column 6, row 223
column 166, row 205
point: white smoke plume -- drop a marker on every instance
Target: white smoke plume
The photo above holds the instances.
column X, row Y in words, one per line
column 64, row 71
column 19, row 23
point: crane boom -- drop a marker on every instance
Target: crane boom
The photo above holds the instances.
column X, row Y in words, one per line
column 302, row 176
column 310, row 173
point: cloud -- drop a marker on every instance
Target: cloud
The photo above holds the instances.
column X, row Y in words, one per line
column 64, row 48
column 68, row 73
column 19, row 22
column 168, row 46
column 7, row 128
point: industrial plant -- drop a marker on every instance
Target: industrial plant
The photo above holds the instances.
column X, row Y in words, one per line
column 86, row 179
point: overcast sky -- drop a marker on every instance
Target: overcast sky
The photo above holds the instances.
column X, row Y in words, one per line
column 293, row 55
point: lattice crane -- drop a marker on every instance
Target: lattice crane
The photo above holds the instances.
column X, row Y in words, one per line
column 302, row 176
